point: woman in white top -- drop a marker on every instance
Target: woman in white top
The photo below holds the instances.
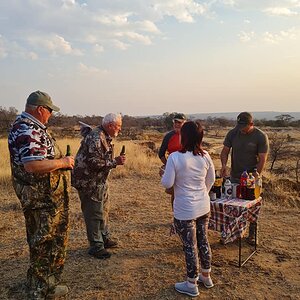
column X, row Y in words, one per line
column 191, row 172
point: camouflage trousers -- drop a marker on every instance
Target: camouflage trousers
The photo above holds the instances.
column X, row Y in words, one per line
column 95, row 206
column 193, row 234
column 47, row 234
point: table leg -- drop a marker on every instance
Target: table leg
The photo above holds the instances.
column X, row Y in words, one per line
column 252, row 253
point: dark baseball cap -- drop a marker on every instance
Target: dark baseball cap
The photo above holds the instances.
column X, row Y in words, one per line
column 244, row 119
column 179, row 117
column 39, row 98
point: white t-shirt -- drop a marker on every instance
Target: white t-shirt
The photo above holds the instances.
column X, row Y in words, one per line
column 192, row 177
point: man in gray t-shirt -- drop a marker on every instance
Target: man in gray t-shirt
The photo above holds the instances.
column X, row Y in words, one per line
column 249, row 149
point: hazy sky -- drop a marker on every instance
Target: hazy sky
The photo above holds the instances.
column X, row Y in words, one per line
column 150, row 57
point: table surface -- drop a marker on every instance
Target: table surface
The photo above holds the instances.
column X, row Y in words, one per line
column 230, row 216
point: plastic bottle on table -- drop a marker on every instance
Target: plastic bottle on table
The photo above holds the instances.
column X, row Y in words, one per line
column 227, row 188
column 258, row 184
column 243, row 184
column 250, row 187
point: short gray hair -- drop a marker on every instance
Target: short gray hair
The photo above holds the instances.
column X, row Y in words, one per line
column 111, row 118
column 30, row 107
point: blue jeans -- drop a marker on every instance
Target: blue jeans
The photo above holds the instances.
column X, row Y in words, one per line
column 193, row 234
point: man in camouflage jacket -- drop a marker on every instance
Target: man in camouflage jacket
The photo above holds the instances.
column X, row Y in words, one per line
column 42, row 184
column 93, row 162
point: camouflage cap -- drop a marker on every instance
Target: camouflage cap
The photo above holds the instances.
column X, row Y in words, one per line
column 39, row 98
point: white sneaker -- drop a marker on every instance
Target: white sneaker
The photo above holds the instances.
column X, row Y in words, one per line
column 183, row 288
column 206, row 281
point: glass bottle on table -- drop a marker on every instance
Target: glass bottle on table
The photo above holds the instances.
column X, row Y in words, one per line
column 218, row 185
column 212, row 194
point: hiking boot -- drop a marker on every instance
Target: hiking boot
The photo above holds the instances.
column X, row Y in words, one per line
column 99, row 253
column 206, row 281
column 108, row 243
column 59, row 291
column 187, row 288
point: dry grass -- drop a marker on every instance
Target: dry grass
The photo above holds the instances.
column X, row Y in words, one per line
column 148, row 262
column 5, row 171
column 138, row 158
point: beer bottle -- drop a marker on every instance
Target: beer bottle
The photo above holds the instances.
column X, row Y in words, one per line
column 68, row 152
column 218, row 185
column 212, row 194
column 123, row 151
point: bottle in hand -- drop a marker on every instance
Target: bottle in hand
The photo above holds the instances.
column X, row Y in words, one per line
column 68, row 152
column 123, row 151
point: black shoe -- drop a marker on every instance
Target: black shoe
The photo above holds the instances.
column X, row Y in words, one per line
column 110, row 243
column 99, row 253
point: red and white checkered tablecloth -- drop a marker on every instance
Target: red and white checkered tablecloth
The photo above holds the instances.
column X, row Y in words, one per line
column 230, row 216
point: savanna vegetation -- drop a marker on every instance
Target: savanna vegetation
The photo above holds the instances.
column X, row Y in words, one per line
column 149, row 261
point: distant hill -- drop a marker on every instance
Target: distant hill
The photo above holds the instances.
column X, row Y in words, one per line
column 259, row 115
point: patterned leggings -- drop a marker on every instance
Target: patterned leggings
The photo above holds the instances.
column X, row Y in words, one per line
column 193, row 234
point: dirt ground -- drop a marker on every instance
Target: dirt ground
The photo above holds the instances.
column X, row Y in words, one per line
column 148, row 262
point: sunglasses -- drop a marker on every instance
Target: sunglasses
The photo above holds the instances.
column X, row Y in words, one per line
column 177, row 122
column 49, row 109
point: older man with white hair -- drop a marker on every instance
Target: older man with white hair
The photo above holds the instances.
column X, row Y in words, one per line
column 93, row 162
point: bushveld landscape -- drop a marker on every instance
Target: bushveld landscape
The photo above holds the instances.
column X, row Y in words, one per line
column 148, row 261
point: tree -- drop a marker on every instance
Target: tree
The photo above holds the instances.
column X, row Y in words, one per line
column 7, row 116
column 279, row 147
column 284, row 119
column 168, row 119
column 217, row 124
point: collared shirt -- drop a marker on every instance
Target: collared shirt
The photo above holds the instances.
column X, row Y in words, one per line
column 28, row 140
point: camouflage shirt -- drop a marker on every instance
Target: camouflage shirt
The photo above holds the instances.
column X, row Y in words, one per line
column 94, row 159
column 29, row 140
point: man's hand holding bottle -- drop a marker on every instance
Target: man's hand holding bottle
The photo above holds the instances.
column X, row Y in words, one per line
column 122, row 158
column 68, row 160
